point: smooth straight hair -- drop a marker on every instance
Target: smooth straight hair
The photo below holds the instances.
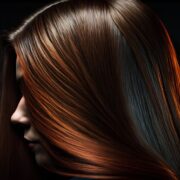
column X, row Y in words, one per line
column 101, row 81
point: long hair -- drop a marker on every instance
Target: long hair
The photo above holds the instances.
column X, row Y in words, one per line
column 101, row 82
column 15, row 159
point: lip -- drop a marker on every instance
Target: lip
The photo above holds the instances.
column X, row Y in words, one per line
column 31, row 144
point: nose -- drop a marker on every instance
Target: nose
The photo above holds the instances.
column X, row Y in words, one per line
column 20, row 115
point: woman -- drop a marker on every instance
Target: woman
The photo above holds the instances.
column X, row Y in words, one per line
column 99, row 87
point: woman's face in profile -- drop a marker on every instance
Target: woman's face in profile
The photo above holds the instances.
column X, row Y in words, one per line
column 22, row 117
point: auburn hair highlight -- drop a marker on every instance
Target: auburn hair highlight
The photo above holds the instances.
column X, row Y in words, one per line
column 102, row 87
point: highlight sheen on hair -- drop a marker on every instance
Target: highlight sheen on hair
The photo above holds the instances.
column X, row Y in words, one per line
column 101, row 82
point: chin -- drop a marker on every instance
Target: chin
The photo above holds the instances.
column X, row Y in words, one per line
column 42, row 158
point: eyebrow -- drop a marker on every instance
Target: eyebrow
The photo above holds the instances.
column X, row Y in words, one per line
column 18, row 71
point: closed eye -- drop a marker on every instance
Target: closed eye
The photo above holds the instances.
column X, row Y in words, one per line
column 19, row 90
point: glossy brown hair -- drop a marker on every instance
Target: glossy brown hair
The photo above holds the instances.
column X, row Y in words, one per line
column 101, row 82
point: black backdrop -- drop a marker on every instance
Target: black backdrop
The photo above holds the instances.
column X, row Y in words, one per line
column 13, row 12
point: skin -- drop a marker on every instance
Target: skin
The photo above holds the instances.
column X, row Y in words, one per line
column 22, row 117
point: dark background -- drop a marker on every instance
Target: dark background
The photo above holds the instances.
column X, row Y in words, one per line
column 13, row 12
